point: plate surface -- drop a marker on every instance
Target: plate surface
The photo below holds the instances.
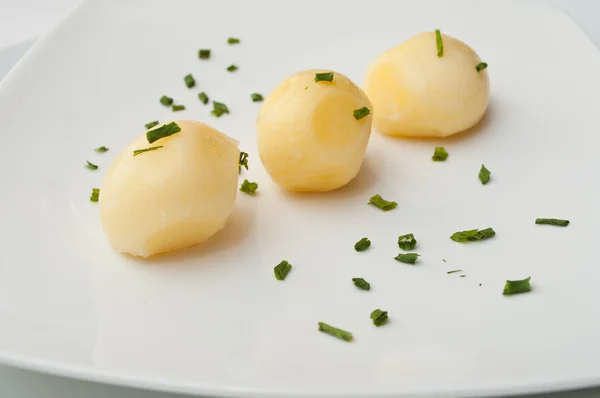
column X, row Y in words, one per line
column 213, row 320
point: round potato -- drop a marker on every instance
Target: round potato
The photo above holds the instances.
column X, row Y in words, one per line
column 416, row 93
column 172, row 197
column 309, row 138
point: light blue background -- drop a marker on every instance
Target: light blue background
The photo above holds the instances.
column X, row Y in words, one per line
column 16, row 383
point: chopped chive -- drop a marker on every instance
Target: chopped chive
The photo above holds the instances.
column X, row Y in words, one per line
column 203, row 98
column 379, row 317
column 362, row 112
column 463, row 276
column 249, row 187
column 481, row 66
column 335, row 332
column 91, row 166
column 101, row 149
column 151, row 124
column 189, row 80
column 243, row 162
column 484, row 175
column 407, row 258
column 552, row 221
column 381, row 203
column 219, row 108
column 233, row 40
column 152, row 148
column 438, row 43
column 454, row 270
column 362, row 245
column 306, row 88
column 95, row 195
column 444, row 260
column 167, row 101
column 282, row 269
column 163, row 131
column 439, row 154
column 324, row 77
column 407, row 242
column 473, row 235
column 256, row 97
column 361, row 283
column 177, row 108
column 204, row 54
column 232, row 68
column 516, row 287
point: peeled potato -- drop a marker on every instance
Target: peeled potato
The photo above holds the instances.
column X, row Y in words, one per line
column 308, row 138
column 416, row 93
column 172, row 197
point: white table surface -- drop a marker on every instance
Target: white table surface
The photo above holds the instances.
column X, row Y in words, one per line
column 21, row 22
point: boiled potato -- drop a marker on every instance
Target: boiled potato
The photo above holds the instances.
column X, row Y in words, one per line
column 416, row 93
column 172, row 197
column 308, row 137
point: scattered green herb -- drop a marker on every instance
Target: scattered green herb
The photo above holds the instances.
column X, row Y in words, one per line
column 379, row 317
column 324, row 77
column 335, row 332
column 362, row 245
column 101, row 149
column 407, row 242
column 152, row 148
column 163, row 131
column 95, row 194
column 177, row 108
column 473, row 235
column 379, row 202
column 167, row 101
column 249, row 187
column 282, row 269
column 407, row 258
column 219, row 108
column 203, row 98
column 91, row 166
column 233, row 40
column 454, row 271
column 361, row 283
column 462, row 276
column 481, row 66
column 151, row 124
column 439, row 154
column 516, row 287
column 484, row 175
column 552, row 221
column 362, row 112
column 439, row 43
column 204, row 54
column 232, row 68
column 256, row 97
column 189, row 80
column 243, row 162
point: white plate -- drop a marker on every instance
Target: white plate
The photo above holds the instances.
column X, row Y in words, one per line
column 213, row 320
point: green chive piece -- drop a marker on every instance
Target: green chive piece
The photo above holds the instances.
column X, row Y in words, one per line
column 335, row 332
column 204, row 54
column 177, row 108
column 407, row 242
column 95, row 195
column 439, row 154
column 379, row 317
column 232, row 68
column 91, row 166
column 189, row 80
column 361, row 283
column 552, row 221
column 438, row 43
column 243, row 162
column 324, row 77
column 381, row 203
column 152, row 148
column 219, row 108
column 249, row 187
column 484, row 175
column 203, row 98
column 167, row 101
column 362, row 245
column 407, row 258
column 256, row 97
column 473, row 235
column 151, row 124
column 481, row 66
column 454, row 270
column 233, row 40
column 444, row 260
column 282, row 269
column 362, row 112
column 163, row 131
column 101, row 149
column 463, row 276
column 516, row 287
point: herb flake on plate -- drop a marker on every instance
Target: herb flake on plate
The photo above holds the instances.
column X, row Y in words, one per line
column 282, row 269
column 439, row 154
column 516, row 287
column 380, row 203
column 407, row 258
column 407, row 242
column 484, row 175
column 90, row 165
column 335, row 332
column 552, row 221
column 361, row 283
column 379, row 317
column 95, row 196
column 249, row 187
column 362, row 245
column 473, row 235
